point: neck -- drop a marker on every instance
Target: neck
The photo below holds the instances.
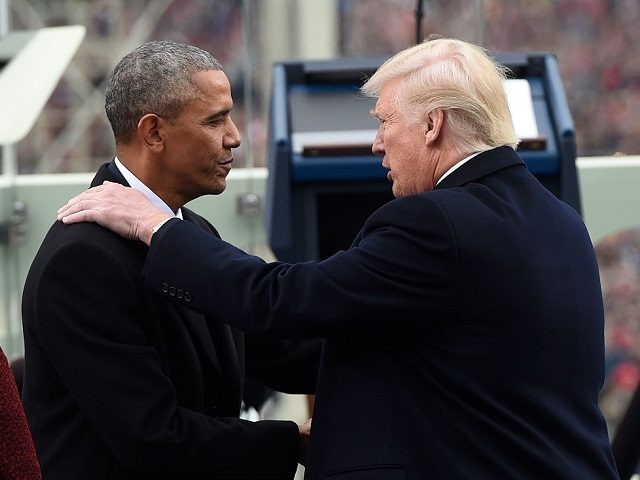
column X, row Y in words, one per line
column 445, row 159
column 141, row 165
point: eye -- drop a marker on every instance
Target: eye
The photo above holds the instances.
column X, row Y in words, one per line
column 218, row 120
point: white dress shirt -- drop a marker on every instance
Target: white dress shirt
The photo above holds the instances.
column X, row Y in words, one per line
column 457, row 166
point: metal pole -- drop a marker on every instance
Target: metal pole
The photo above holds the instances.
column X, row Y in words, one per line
column 10, row 271
column 4, row 17
column 247, row 81
column 8, row 151
column 419, row 17
column 482, row 23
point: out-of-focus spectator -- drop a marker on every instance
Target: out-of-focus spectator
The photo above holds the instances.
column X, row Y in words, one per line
column 591, row 38
column 619, row 261
column 17, row 454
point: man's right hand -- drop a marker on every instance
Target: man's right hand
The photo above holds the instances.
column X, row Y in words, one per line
column 123, row 210
column 305, row 434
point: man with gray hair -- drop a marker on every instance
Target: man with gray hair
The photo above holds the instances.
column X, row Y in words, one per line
column 464, row 326
column 121, row 382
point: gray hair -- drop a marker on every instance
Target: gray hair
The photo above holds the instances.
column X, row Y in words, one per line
column 457, row 77
column 156, row 77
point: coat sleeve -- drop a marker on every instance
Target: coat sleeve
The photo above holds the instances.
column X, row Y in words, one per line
column 404, row 264
column 289, row 366
column 91, row 325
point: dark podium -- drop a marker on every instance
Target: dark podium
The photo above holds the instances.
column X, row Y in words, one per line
column 323, row 179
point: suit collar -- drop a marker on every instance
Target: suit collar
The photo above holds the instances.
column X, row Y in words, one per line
column 190, row 216
column 108, row 171
column 481, row 165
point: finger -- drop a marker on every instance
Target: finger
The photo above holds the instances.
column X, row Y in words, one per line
column 77, row 206
column 80, row 216
column 72, row 203
column 66, row 206
column 81, row 197
column 109, row 187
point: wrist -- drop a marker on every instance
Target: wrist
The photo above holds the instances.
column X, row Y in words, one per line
column 154, row 224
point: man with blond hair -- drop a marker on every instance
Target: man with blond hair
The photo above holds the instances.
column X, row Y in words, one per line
column 464, row 326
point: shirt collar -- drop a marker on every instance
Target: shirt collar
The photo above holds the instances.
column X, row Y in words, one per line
column 134, row 182
column 457, row 166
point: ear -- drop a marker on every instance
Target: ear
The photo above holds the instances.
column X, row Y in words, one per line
column 433, row 128
column 150, row 131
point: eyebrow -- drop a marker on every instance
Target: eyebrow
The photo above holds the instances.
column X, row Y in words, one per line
column 375, row 114
column 218, row 115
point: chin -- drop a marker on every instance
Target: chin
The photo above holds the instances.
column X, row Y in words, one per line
column 218, row 188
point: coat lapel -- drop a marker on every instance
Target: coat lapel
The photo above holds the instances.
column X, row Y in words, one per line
column 108, row 171
column 195, row 323
column 202, row 339
column 227, row 353
column 480, row 166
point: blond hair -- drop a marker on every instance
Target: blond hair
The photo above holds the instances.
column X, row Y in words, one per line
column 461, row 79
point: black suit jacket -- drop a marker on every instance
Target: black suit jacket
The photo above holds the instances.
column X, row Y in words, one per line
column 464, row 330
column 121, row 383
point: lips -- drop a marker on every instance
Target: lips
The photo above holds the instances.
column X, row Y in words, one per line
column 226, row 162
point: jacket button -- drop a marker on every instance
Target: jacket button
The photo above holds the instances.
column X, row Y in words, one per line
column 172, row 291
column 180, row 293
column 165, row 288
column 187, row 297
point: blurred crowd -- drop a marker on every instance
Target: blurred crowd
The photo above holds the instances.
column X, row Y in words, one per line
column 619, row 261
column 594, row 40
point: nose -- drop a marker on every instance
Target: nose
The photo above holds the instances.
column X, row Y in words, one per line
column 378, row 146
column 232, row 137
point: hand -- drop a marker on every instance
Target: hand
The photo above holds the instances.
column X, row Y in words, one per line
column 124, row 210
column 305, row 434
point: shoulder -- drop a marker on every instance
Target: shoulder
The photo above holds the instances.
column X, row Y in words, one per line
column 88, row 235
column 437, row 212
column 426, row 206
column 87, row 246
column 202, row 222
column 409, row 218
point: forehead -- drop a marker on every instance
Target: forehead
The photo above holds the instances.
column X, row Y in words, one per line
column 386, row 102
column 214, row 88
